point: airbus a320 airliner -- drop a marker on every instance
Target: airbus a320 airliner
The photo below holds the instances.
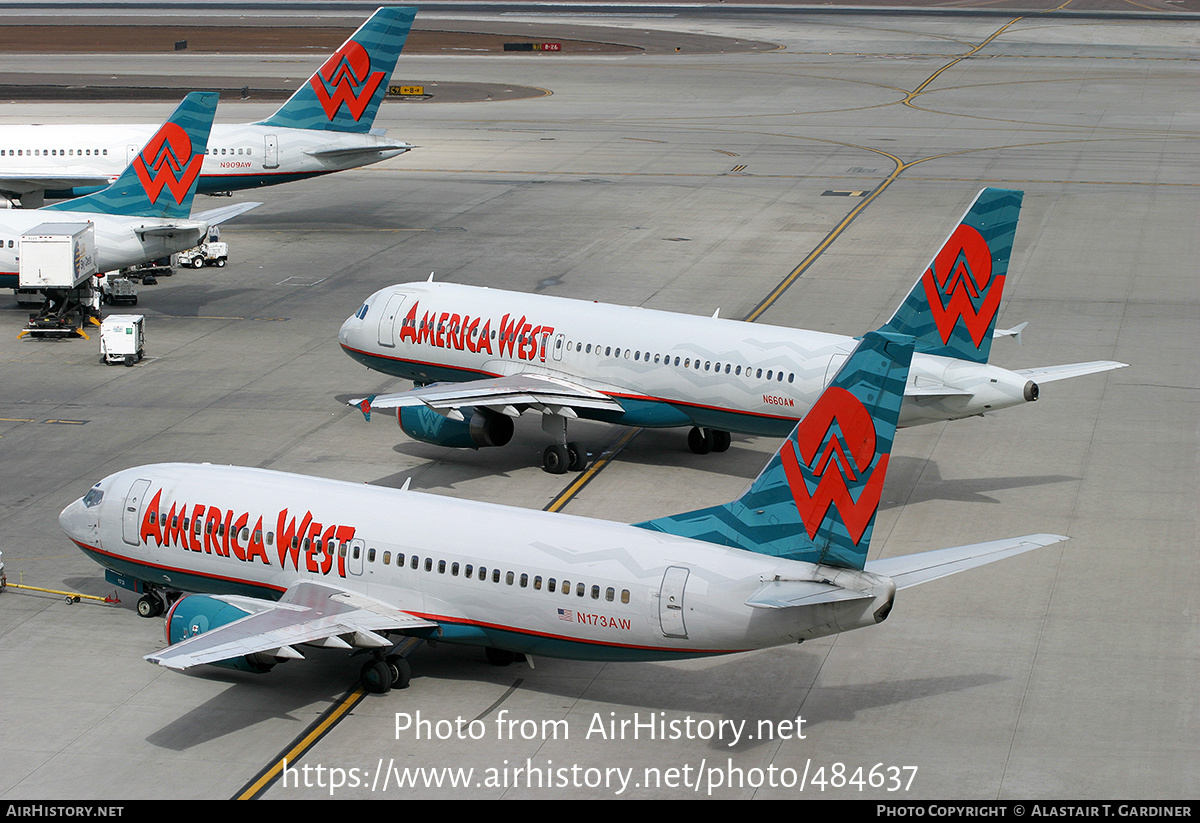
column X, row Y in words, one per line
column 283, row 560
column 480, row 357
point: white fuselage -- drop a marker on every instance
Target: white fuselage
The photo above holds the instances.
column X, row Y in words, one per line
column 665, row 368
column 238, row 157
column 527, row 581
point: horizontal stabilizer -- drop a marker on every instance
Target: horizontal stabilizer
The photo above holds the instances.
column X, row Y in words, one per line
column 214, row 217
column 786, row 594
column 308, row 612
column 168, row 229
column 1014, row 332
column 936, row 391
column 1048, row 374
column 912, row 569
column 341, row 152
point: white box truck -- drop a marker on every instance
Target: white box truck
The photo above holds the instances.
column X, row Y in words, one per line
column 57, row 256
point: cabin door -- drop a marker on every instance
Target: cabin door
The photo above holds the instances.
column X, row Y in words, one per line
column 670, row 602
column 131, row 530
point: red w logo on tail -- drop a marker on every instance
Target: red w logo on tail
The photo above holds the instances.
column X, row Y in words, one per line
column 822, row 450
column 962, row 270
column 169, row 153
column 349, row 68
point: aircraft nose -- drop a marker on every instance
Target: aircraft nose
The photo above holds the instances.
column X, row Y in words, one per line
column 344, row 334
column 78, row 522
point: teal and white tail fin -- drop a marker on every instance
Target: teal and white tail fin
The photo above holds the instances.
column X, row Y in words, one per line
column 345, row 93
column 161, row 181
column 952, row 309
column 816, row 499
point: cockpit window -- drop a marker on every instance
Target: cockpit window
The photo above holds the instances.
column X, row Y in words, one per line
column 361, row 314
column 93, row 498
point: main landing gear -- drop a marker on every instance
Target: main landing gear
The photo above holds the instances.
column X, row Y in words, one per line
column 382, row 673
column 703, row 441
column 561, row 459
column 563, row 456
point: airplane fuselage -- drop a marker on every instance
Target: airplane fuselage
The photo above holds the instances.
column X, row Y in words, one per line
column 525, row 581
column 59, row 159
column 665, row 369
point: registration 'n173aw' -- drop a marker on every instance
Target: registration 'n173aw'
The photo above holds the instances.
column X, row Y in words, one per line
column 282, row 561
column 481, row 357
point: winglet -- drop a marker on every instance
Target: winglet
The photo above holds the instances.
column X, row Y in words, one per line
column 952, row 309
column 364, row 406
column 161, row 181
column 345, row 93
column 816, row 499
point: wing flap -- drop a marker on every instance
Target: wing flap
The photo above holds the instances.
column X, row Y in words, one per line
column 913, row 569
column 308, row 612
column 498, row 392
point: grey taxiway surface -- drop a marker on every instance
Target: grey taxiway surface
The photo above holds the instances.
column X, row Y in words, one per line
column 686, row 182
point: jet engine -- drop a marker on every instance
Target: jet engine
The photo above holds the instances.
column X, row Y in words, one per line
column 197, row 613
column 477, row 428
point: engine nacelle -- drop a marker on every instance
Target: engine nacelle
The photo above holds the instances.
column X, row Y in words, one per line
column 197, row 613
column 477, row 429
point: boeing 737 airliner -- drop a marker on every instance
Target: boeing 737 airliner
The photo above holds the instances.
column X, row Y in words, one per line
column 324, row 127
column 480, row 356
column 283, row 560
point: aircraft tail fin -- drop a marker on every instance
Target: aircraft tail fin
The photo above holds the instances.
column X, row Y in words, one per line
column 952, row 309
column 817, row 497
column 161, row 181
column 345, row 93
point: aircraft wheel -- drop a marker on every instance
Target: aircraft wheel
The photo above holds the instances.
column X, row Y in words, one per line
column 149, row 606
column 576, row 457
column 499, row 657
column 721, row 440
column 376, row 677
column 555, row 459
column 700, row 441
column 401, row 671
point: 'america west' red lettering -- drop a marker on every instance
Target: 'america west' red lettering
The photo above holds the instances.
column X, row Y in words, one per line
column 309, row 546
column 517, row 338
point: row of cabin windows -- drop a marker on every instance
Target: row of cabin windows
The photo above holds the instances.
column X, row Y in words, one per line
column 640, row 356
column 523, row 580
column 92, row 152
column 468, row 570
column 54, row 152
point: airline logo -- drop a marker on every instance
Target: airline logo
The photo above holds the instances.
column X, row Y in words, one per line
column 837, row 448
column 962, row 273
column 299, row 544
column 346, row 78
column 514, row 337
column 169, row 154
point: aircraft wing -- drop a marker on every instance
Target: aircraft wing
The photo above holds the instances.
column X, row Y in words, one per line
column 501, row 394
column 912, row 569
column 1048, row 374
column 308, row 612
column 214, row 217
